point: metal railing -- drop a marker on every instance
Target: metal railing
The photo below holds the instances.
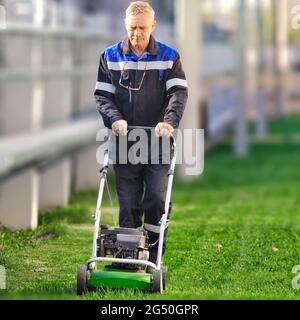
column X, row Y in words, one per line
column 33, row 148
column 29, row 30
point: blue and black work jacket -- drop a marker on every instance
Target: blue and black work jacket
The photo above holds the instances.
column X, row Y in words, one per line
column 159, row 83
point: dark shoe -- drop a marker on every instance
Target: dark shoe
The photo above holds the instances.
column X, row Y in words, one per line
column 149, row 269
column 153, row 256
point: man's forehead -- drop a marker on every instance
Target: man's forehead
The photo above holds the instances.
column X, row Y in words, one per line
column 139, row 20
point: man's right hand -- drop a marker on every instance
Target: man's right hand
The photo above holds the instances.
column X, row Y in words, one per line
column 119, row 128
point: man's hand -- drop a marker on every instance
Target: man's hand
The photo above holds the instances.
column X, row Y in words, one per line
column 119, row 128
column 163, row 129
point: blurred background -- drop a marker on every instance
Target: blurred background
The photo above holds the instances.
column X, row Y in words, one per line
column 241, row 57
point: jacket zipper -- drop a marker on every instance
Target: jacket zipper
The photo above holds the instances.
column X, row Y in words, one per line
column 130, row 94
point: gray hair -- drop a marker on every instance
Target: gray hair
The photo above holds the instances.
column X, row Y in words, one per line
column 139, row 7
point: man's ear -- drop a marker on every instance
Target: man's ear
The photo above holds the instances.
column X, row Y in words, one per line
column 153, row 25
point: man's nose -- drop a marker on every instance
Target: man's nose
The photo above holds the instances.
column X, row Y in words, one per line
column 137, row 32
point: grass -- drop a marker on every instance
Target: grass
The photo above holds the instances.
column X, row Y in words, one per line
column 286, row 126
column 234, row 234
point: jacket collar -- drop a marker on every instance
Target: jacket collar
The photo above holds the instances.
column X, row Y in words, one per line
column 152, row 47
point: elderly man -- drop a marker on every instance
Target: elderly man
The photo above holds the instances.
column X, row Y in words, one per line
column 141, row 83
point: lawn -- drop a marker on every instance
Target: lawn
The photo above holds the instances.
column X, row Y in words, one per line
column 234, row 233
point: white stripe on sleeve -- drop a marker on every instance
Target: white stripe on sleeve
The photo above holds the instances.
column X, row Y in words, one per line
column 106, row 87
column 176, row 82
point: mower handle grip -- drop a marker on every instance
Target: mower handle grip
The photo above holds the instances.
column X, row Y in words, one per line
column 147, row 129
column 140, row 127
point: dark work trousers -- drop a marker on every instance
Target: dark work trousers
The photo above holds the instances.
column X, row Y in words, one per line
column 142, row 190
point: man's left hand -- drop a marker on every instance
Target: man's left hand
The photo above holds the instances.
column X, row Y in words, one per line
column 163, row 129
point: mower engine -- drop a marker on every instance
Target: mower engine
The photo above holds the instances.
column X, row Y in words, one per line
column 123, row 243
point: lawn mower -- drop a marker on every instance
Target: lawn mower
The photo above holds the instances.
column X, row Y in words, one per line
column 127, row 249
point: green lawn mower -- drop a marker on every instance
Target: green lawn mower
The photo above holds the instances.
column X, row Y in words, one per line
column 126, row 249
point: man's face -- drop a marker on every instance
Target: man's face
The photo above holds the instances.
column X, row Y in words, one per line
column 139, row 29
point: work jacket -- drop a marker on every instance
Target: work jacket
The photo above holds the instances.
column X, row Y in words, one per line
column 157, row 76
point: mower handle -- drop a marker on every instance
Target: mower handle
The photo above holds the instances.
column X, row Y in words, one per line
column 148, row 129
column 140, row 127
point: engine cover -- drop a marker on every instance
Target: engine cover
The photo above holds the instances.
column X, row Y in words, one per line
column 123, row 243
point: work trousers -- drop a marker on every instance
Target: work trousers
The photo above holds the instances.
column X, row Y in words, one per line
column 141, row 190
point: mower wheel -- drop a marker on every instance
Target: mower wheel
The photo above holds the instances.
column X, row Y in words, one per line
column 157, row 281
column 82, row 280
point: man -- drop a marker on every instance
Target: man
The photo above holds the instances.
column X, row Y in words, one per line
column 141, row 83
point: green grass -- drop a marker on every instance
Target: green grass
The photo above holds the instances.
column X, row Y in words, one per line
column 286, row 126
column 234, row 234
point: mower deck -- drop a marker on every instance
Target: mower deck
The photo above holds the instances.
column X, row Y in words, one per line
column 115, row 278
